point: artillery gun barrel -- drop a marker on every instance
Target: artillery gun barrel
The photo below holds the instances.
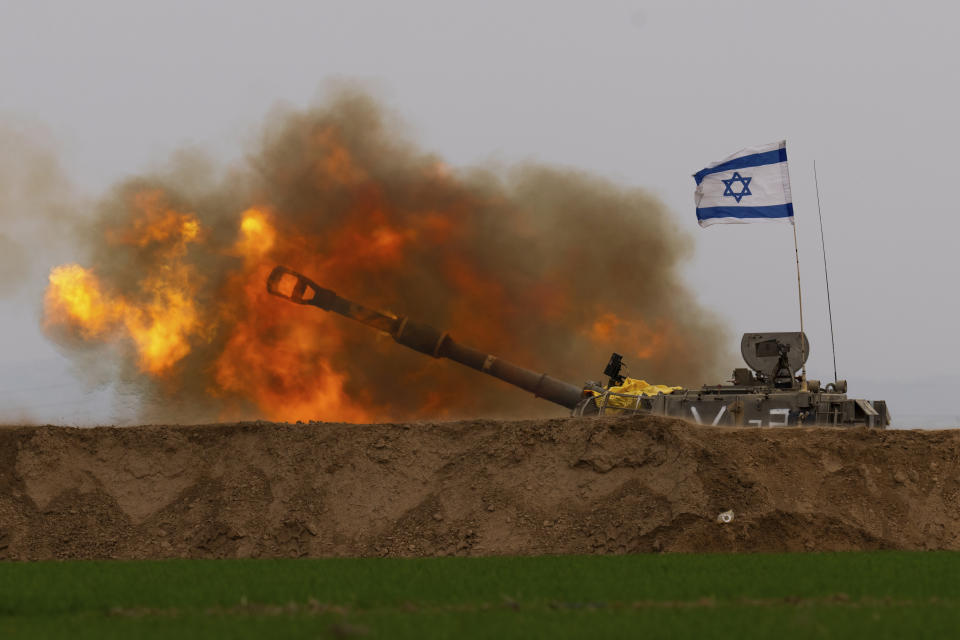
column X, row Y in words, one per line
column 290, row 285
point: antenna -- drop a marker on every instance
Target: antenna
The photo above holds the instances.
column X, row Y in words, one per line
column 826, row 273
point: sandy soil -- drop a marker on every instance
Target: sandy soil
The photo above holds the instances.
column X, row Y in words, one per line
column 601, row 485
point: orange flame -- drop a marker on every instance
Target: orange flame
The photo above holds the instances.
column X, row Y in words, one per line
column 610, row 330
column 257, row 235
column 74, row 298
column 157, row 225
column 161, row 317
column 159, row 328
column 162, row 327
column 271, row 360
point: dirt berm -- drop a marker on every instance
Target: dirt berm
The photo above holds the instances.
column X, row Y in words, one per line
column 612, row 485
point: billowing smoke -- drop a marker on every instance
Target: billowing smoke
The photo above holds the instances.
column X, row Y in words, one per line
column 551, row 268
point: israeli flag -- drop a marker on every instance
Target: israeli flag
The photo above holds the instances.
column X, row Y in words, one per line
column 752, row 185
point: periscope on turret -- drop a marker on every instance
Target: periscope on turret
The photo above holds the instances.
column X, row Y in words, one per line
column 768, row 394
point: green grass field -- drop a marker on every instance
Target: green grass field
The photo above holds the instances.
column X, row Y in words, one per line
column 870, row 595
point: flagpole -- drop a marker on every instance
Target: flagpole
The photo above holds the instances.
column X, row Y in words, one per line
column 803, row 359
column 826, row 274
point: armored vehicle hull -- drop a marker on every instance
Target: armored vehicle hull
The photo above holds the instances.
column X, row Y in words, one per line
column 739, row 406
column 769, row 394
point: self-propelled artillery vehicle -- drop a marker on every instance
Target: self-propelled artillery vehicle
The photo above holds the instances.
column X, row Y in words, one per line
column 768, row 394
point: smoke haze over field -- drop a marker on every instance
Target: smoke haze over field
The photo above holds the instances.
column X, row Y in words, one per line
column 36, row 202
column 551, row 268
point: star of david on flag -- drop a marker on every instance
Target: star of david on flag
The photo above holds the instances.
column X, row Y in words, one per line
column 745, row 191
column 752, row 185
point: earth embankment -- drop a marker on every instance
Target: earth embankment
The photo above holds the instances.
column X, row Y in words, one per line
column 610, row 485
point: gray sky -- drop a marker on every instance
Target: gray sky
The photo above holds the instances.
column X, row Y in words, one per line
column 645, row 93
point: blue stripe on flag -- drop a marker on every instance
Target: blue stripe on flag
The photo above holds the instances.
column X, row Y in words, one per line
column 747, row 213
column 752, row 160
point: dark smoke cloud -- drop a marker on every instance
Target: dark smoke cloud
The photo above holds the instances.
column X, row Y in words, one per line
column 551, row 268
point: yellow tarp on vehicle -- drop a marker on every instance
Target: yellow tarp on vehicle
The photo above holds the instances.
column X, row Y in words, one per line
column 634, row 387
